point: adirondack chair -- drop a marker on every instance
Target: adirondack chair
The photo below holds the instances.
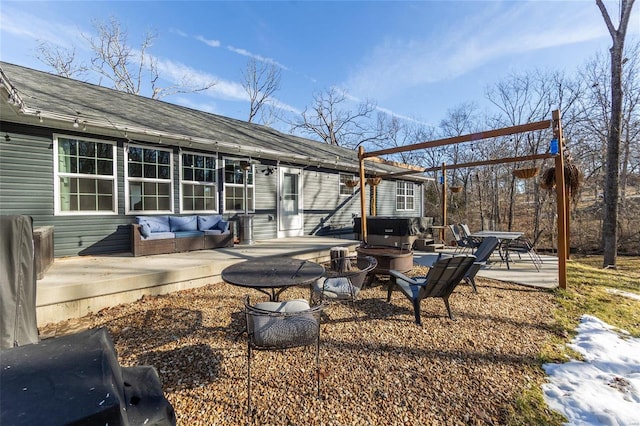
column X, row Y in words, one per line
column 443, row 277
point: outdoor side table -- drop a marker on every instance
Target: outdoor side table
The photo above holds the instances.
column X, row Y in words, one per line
column 272, row 275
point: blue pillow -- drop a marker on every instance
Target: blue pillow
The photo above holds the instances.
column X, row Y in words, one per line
column 208, row 222
column 222, row 225
column 183, row 223
column 156, row 223
column 145, row 229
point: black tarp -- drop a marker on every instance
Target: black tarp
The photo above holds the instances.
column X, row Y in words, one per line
column 18, row 325
column 76, row 380
column 394, row 226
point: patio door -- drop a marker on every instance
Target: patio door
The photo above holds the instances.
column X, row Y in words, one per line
column 290, row 208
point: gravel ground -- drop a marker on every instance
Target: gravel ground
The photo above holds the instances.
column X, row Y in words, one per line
column 378, row 367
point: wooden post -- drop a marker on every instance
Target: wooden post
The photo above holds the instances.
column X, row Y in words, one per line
column 340, row 259
column 363, row 204
column 444, row 201
column 563, row 232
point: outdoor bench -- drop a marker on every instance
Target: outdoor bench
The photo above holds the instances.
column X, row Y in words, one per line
column 175, row 234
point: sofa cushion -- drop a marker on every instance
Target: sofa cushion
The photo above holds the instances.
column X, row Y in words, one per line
column 183, row 223
column 161, row 236
column 212, row 232
column 188, row 234
column 208, row 222
column 156, row 223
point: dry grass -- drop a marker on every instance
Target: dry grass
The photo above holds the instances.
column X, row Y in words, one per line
column 378, row 367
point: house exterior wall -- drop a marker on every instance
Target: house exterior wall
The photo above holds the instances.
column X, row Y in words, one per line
column 27, row 187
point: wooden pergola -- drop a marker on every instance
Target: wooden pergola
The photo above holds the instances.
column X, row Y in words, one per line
column 562, row 201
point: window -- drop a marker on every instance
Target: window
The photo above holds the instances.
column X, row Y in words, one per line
column 234, row 185
column 85, row 173
column 344, row 189
column 198, row 183
column 404, row 196
column 149, row 179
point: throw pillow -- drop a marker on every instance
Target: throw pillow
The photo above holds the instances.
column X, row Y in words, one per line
column 222, row 225
column 208, row 222
column 145, row 229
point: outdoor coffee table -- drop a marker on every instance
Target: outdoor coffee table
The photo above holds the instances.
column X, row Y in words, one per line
column 272, row 275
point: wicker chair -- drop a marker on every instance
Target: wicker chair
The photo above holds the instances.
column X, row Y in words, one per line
column 443, row 277
column 281, row 325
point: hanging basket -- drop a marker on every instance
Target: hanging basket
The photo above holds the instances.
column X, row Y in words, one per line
column 527, row 173
column 374, row 181
column 456, row 188
column 351, row 183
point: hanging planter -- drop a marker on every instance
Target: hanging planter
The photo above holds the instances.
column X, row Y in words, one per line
column 351, row 183
column 526, row 173
column 374, row 181
column 456, row 188
column 572, row 178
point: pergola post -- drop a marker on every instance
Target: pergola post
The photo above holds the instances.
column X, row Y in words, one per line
column 561, row 203
column 363, row 204
column 444, row 200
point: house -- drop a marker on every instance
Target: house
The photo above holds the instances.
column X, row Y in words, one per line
column 87, row 160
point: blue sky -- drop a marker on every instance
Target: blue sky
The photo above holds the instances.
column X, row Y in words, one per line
column 414, row 59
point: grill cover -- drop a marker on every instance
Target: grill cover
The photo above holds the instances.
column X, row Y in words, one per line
column 76, row 380
column 394, row 226
column 18, row 324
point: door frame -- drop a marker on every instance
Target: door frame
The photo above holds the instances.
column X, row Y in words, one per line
column 295, row 232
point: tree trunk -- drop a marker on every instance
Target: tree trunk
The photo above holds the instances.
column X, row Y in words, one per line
column 611, row 185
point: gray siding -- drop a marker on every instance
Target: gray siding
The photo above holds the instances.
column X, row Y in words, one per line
column 27, row 187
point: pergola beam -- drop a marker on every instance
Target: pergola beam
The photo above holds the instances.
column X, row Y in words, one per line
column 521, row 128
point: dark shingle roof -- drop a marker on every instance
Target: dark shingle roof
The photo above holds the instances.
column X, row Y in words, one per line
column 64, row 99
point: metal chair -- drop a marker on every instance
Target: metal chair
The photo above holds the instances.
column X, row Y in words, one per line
column 347, row 280
column 443, row 277
column 281, row 325
column 522, row 245
column 462, row 241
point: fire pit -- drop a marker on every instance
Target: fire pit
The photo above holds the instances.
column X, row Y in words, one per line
column 388, row 258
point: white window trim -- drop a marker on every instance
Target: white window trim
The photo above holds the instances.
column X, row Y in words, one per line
column 406, row 196
column 251, row 187
column 342, row 184
column 215, row 182
column 56, row 178
column 127, row 180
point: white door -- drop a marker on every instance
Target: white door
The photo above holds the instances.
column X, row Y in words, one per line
column 290, row 220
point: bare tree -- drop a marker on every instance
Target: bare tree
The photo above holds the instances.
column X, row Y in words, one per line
column 114, row 60
column 62, row 61
column 260, row 81
column 610, row 220
column 335, row 126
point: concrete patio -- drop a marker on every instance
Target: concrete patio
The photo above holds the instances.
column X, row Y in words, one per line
column 76, row 286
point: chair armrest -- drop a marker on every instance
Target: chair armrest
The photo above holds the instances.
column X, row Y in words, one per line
column 399, row 275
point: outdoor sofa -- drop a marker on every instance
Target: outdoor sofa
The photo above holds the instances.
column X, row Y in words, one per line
column 174, row 234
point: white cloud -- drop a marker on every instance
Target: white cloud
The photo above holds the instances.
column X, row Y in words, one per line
column 211, row 43
column 29, row 26
column 178, row 32
column 260, row 58
column 503, row 29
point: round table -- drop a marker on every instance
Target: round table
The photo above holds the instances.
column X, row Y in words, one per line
column 272, row 275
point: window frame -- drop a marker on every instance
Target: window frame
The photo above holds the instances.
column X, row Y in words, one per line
column 342, row 184
column 57, row 175
column 195, row 182
column 128, row 180
column 405, row 191
column 250, row 187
